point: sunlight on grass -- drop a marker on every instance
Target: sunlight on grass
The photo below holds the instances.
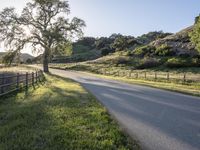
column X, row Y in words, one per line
column 182, row 88
column 59, row 115
column 192, row 88
column 17, row 69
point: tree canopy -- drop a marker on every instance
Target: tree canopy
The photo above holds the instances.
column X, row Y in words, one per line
column 43, row 25
column 9, row 58
column 195, row 34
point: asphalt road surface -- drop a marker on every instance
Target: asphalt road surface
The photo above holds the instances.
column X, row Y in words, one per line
column 158, row 119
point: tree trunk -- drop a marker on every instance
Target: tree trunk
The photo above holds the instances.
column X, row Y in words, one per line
column 46, row 61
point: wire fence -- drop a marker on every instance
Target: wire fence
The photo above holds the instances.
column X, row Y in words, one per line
column 154, row 75
column 13, row 83
column 170, row 76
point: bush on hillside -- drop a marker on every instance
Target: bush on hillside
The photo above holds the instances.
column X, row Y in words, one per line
column 148, row 63
column 105, row 51
column 86, row 41
column 144, row 51
column 164, row 50
column 152, row 36
column 121, row 60
column 195, row 34
column 182, row 62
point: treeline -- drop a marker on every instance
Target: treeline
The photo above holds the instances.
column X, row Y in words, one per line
column 116, row 42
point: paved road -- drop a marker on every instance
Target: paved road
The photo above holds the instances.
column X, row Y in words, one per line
column 159, row 119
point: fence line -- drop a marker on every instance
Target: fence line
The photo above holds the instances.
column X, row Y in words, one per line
column 20, row 81
column 147, row 75
column 182, row 77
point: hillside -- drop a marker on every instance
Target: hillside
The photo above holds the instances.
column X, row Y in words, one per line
column 90, row 48
column 153, row 49
column 173, row 51
column 23, row 58
column 179, row 43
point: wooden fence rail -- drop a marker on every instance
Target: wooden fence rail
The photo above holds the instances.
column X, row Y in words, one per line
column 12, row 83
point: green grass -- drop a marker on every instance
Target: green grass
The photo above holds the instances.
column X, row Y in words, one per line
column 190, row 89
column 58, row 115
column 174, row 84
column 18, row 69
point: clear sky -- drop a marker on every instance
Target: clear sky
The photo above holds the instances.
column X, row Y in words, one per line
column 134, row 17
column 129, row 17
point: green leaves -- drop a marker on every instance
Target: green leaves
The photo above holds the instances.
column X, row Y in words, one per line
column 9, row 57
column 195, row 34
column 43, row 25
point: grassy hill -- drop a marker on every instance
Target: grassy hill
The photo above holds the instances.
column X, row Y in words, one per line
column 23, row 58
column 179, row 43
column 171, row 52
column 82, row 50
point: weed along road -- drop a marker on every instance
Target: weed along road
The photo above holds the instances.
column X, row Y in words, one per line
column 158, row 119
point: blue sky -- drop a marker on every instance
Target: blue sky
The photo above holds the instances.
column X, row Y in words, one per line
column 128, row 17
column 134, row 17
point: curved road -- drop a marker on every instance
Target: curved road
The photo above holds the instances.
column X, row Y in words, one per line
column 158, row 119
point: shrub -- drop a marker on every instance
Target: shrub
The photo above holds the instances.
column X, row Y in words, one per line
column 105, row 51
column 148, row 63
column 182, row 62
column 144, row 50
column 120, row 60
column 164, row 50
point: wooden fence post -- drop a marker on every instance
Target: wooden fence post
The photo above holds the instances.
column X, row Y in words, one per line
column 184, row 77
column 26, row 80
column 137, row 75
column 33, row 78
column 36, row 74
column 2, row 83
column 155, row 75
column 168, row 76
column 39, row 76
column 130, row 74
column 18, row 81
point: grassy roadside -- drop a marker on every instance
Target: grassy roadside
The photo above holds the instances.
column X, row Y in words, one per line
column 181, row 88
column 190, row 88
column 56, row 116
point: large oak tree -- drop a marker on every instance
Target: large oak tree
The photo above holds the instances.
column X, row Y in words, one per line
column 43, row 25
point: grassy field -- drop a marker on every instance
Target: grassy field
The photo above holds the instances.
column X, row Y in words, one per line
column 176, row 83
column 17, row 69
column 59, row 115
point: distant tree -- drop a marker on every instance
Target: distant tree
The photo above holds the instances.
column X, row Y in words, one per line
column 9, row 58
column 87, row 41
column 197, row 18
column 151, row 36
column 124, row 42
column 115, row 35
column 103, row 42
column 29, row 61
column 43, row 24
column 195, row 34
column 106, row 50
